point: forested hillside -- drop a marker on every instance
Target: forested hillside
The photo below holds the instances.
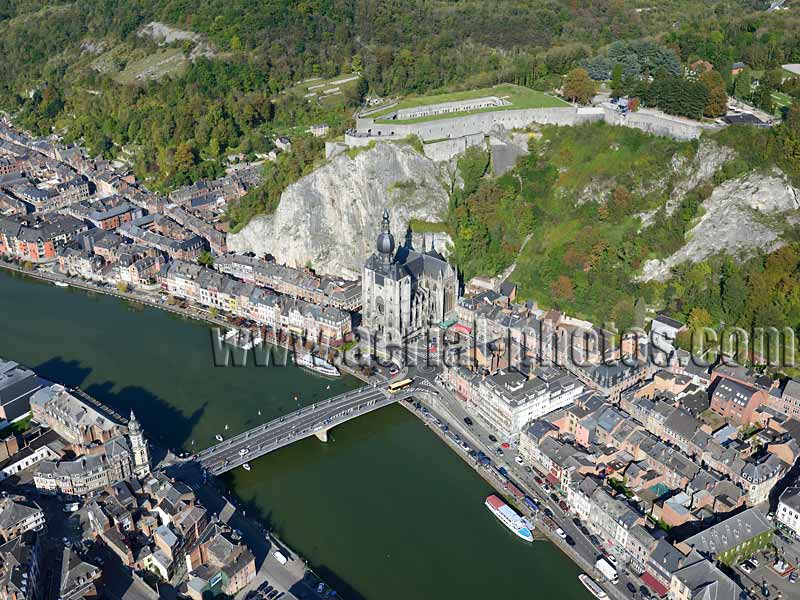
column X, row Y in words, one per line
column 596, row 202
column 70, row 65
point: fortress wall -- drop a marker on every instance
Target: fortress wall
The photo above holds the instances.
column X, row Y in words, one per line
column 453, row 135
column 447, row 149
column 657, row 124
column 651, row 122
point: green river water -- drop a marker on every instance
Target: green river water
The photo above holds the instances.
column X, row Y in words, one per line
column 384, row 511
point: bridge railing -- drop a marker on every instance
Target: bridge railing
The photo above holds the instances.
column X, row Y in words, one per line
column 293, row 436
column 305, row 409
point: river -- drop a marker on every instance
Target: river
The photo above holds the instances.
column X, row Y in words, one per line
column 383, row 511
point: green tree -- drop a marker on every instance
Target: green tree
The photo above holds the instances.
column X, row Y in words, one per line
column 578, row 86
column 743, row 86
column 616, row 80
column 206, row 259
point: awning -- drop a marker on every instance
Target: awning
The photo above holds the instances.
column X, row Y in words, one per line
column 463, row 328
column 552, row 479
column 654, row 584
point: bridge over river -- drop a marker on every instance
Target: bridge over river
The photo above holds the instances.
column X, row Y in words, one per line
column 315, row 419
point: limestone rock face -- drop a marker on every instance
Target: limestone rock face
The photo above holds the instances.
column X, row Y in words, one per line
column 331, row 218
column 688, row 174
column 741, row 217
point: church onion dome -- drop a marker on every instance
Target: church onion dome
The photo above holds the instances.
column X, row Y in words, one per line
column 385, row 243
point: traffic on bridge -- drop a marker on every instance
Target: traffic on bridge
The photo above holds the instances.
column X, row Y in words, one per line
column 315, row 419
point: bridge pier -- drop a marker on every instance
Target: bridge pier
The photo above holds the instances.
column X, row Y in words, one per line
column 322, row 436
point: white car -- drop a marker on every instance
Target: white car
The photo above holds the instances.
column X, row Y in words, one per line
column 745, row 567
column 754, row 562
column 518, row 460
column 244, row 451
column 560, row 532
column 612, row 559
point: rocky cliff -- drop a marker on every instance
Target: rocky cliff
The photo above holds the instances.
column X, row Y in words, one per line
column 741, row 217
column 330, row 218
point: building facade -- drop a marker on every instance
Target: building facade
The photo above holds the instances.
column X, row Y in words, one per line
column 406, row 290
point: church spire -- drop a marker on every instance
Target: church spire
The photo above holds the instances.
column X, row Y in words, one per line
column 385, row 243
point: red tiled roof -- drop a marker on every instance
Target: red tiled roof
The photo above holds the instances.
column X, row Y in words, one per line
column 654, row 584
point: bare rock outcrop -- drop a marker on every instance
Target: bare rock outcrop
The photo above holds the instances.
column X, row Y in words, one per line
column 689, row 173
column 741, row 217
column 330, row 218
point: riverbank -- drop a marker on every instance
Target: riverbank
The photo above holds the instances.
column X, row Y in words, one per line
column 382, row 511
column 195, row 313
column 542, row 532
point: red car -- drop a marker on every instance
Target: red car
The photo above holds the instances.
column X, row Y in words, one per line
column 537, row 479
column 505, row 445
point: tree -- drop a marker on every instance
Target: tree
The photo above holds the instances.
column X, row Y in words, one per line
column 578, row 86
column 717, row 103
column 562, row 288
column 699, row 317
column 742, row 87
column 206, row 259
column 362, row 89
column 122, row 287
column 639, row 312
column 184, row 158
column 763, row 99
column 616, row 80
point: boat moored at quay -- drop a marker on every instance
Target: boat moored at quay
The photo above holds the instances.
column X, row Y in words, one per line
column 508, row 517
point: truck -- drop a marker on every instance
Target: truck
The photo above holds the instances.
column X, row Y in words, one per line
column 280, row 557
column 607, row 569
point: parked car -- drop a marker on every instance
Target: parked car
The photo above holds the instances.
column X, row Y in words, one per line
column 561, row 533
column 631, row 587
column 754, row 561
column 793, row 577
column 468, row 421
column 492, row 438
column 746, row 567
column 518, row 460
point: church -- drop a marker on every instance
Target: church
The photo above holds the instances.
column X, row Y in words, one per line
column 405, row 291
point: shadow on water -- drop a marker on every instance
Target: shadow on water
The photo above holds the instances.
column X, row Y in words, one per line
column 343, row 589
column 167, row 427
column 67, row 372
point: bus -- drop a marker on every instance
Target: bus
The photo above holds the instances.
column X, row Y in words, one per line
column 399, row 385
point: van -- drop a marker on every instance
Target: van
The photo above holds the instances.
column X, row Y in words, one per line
column 280, row 557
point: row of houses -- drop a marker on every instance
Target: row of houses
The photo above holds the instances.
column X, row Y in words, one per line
column 38, row 239
column 297, row 283
column 210, row 288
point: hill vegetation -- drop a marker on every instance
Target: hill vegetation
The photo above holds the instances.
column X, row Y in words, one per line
column 176, row 125
column 568, row 215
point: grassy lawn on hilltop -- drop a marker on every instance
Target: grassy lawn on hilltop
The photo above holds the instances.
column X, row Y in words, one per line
column 520, row 97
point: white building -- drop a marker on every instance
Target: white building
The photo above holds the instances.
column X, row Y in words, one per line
column 508, row 400
column 788, row 513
